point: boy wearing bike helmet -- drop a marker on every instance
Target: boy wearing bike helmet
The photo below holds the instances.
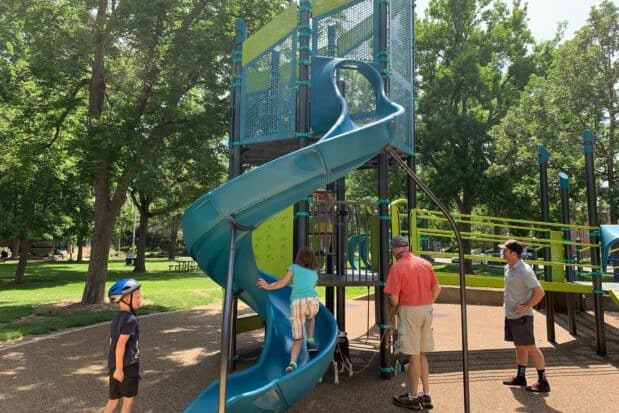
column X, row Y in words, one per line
column 124, row 354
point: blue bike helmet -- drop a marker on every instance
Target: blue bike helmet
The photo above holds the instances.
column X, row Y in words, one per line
column 121, row 288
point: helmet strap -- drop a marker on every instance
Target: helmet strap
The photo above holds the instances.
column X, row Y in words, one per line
column 130, row 303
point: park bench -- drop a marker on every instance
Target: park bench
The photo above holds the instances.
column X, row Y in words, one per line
column 183, row 264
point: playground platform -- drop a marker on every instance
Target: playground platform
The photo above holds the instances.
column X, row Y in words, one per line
column 66, row 371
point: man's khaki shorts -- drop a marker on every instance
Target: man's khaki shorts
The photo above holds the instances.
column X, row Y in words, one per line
column 415, row 330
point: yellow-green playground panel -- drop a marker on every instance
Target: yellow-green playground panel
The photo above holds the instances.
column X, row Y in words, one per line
column 400, row 219
column 273, row 243
column 615, row 296
column 273, row 246
column 484, row 281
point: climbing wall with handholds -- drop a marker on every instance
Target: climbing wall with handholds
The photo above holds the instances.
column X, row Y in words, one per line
column 273, row 243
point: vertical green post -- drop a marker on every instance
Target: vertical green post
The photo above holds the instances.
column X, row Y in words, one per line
column 381, row 9
column 549, row 306
column 564, row 187
column 596, row 275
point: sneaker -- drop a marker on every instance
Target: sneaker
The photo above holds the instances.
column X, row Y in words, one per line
column 426, row 400
column 312, row 346
column 291, row 367
column 539, row 387
column 516, row 381
column 404, row 401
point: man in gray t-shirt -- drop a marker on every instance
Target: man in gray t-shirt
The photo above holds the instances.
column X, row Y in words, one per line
column 522, row 292
column 520, row 281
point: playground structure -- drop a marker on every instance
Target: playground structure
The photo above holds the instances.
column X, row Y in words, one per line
column 278, row 71
column 291, row 122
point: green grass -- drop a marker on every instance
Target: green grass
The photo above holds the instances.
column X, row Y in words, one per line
column 23, row 311
column 54, row 282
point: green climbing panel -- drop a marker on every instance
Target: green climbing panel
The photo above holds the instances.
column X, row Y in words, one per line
column 273, row 242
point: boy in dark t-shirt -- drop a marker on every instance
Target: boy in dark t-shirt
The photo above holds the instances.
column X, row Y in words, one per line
column 124, row 354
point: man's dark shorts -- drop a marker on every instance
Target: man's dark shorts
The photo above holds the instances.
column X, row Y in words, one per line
column 129, row 386
column 520, row 331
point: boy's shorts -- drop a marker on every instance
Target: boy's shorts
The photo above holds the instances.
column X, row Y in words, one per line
column 300, row 311
column 129, row 386
column 415, row 329
column 520, row 331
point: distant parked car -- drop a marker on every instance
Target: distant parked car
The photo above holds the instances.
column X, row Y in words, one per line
column 58, row 252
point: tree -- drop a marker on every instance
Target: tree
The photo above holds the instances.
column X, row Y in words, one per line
column 37, row 102
column 473, row 61
column 187, row 166
column 576, row 92
column 154, row 63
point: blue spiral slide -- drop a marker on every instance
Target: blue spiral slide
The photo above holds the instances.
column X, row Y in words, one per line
column 250, row 199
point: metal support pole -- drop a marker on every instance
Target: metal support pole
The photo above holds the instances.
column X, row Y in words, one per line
column 236, row 161
column 303, row 127
column 549, row 297
column 564, row 185
column 454, row 226
column 226, row 329
column 382, row 57
column 386, row 371
column 596, row 274
column 234, row 317
column 330, row 268
column 341, row 215
column 578, row 258
column 235, row 135
column 340, row 224
column 411, row 189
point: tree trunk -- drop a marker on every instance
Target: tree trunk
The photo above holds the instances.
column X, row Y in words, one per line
column 106, row 214
column 140, row 259
column 176, row 220
column 80, row 249
column 96, row 93
column 24, row 249
column 15, row 248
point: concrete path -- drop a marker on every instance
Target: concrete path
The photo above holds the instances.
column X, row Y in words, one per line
column 66, row 372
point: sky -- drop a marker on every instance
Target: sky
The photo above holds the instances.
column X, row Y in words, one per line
column 544, row 15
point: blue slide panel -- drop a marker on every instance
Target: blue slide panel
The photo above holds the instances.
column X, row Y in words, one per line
column 253, row 197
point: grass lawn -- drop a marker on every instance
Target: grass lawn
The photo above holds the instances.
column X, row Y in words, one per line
column 49, row 299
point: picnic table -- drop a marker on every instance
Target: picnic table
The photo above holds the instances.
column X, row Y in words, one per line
column 184, row 264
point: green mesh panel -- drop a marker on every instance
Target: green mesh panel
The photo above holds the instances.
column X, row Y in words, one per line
column 354, row 28
column 270, row 34
column 401, row 48
column 354, row 24
column 268, row 94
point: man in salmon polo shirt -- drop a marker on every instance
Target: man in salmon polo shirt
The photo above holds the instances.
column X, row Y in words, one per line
column 413, row 288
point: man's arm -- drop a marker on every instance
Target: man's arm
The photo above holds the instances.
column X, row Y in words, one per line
column 394, row 301
column 119, row 352
column 537, row 294
column 436, row 290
